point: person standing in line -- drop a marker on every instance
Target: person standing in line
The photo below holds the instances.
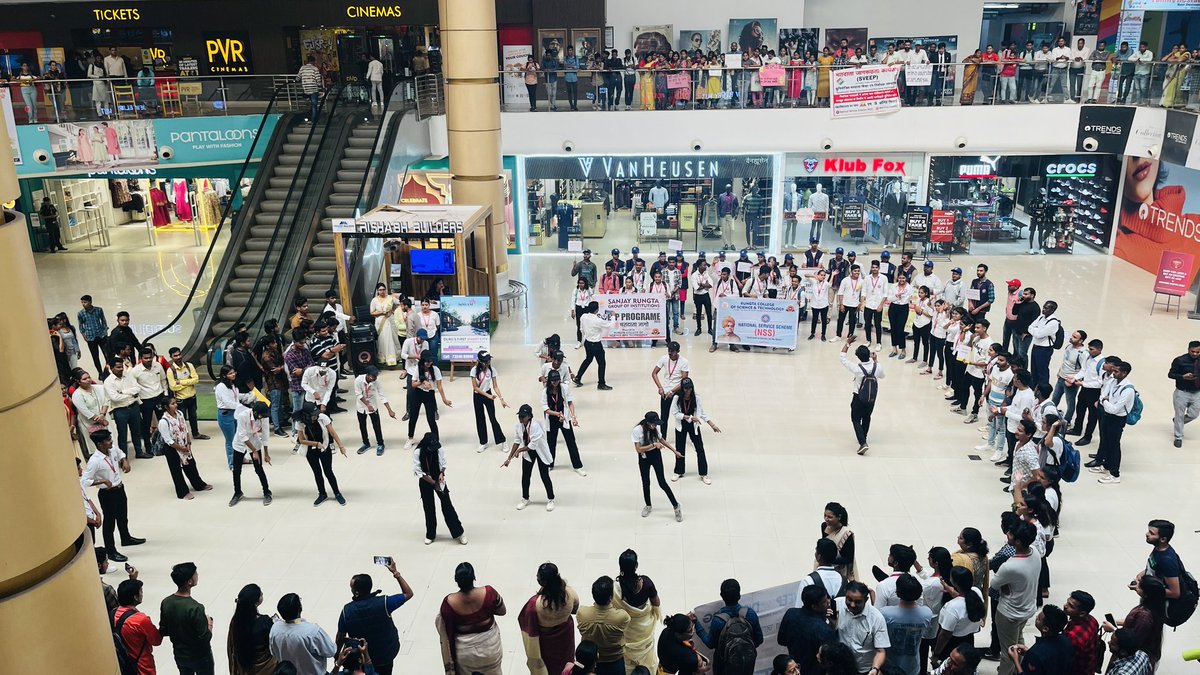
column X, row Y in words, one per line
column 865, row 389
column 805, row 628
column 94, row 328
column 585, row 269
column 688, row 412
column 551, row 65
column 921, row 305
column 228, row 400
column 731, row 596
column 429, row 466
column 580, row 297
column 648, row 443
column 368, row 617
column 1019, row 411
column 121, row 391
column 311, row 83
column 604, row 625
column 177, row 446
column 1017, row 580
column 1052, row 651
column 701, row 284
column 984, row 292
column 1042, row 334
column 182, row 380
column 249, row 642
column 851, row 298
column 150, row 378
column 466, row 624
column 725, row 287
column 676, row 368
column 1116, row 403
column 317, row 434
column 977, row 359
column 275, row 380
column 816, row 290
column 862, row 628
column 185, row 623
column 1088, row 401
column 306, row 645
column 1083, row 632
column 1010, row 317
column 898, row 300
column 367, row 396
column 1069, row 376
column 427, row 380
column 875, row 295
column 410, row 353
column 137, row 630
column 594, row 329
column 250, row 438
column 91, row 405
column 547, row 629
column 102, row 471
column 998, row 376
column 1186, row 399
column 1026, row 311
column 906, row 623
column 558, row 407
column 531, row 444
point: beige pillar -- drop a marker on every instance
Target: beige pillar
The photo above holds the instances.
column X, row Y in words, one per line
column 52, row 616
column 473, row 111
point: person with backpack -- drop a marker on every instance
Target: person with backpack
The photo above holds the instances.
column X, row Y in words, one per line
column 1119, row 405
column 866, row 371
column 1146, row 620
column 826, row 573
column 1165, row 565
column 862, row 628
column 1048, row 336
column 137, row 632
column 734, row 634
column 805, row 628
column 906, row 624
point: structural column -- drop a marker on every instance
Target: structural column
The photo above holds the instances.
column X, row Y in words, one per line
column 52, row 615
column 473, row 112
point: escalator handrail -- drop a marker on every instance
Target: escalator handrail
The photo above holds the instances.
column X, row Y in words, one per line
column 220, row 225
column 216, row 340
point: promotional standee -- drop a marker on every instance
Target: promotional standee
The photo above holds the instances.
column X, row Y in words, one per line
column 465, row 329
column 638, row 316
column 757, row 322
column 1173, row 279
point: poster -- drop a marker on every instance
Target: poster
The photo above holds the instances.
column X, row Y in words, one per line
column 321, row 43
column 853, row 211
column 552, row 41
column 757, row 322
column 466, row 326
column 864, row 91
column 941, row 227
column 704, row 40
column 200, row 140
column 109, row 144
column 772, row 75
column 918, row 74
column 916, row 224
column 806, row 40
column 1087, row 17
column 515, row 93
column 754, row 33
column 851, row 38
column 639, row 316
column 770, row 604
column 648, row 39
column 1174, row 273
column 1159, row 211
column 586, row 41
column 10, row 123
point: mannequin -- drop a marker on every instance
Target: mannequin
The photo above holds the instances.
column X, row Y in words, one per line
column 894, row 205
column 1037, row 219
column 819, row 203
column 727, row 210
column 792, row 202
column 753, row 209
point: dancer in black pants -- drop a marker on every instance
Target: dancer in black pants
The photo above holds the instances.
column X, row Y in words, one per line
column 251, row 438
column 701, row 284
column 593, row 328
column 687, row 413
column 367, row 397
column 317, row 434
column 429, row 466
column 486, row 388
column 428, row 378
column 177, row 448
column 559, row 409
column 649, row 444
column 104, row 469
column 530, row 443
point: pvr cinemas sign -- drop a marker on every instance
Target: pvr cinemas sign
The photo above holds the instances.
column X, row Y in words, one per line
column 227, row 53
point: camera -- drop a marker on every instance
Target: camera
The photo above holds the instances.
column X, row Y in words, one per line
column 1091, row 144
column 960, row 142
column 1153, row 151
column 392, row 246
column 41, row 156
column 826, row 144
column 166, row 152
column 697, row 145
column 568, row 146
column 352, row 643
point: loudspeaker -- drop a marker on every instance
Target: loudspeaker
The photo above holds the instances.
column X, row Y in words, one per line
column 362, row 345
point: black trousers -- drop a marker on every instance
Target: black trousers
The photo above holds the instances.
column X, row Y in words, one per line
column 921, row 339
column 238, row 459
column 148, row 411
column 704, row 306
column 187, row 406
column 485, row 408
column 819, row 316
column 843, row 314
column 693, row 431
column 964, row 386
column 953, row 367
column 527, row 474
column 1112, row 427
column 936, row 349
column 1087, row 405
column 664, row 414
column 422, row 398
column 115, row 506
column 1039, row 358
column 362, row 427
column 99, row 351
column 448, row 512
column 1010, row 442
column 573, row 94
column 897, row 320
column 873, row 318
column 556, row 425
column 594, row 350
column 578, row 330
column 652, row 459
column 629, row 81
column 532, row 89
column 322, row 461
column 179, row 471
column 860, row 417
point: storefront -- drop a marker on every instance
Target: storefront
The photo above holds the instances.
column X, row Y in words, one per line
column 1015, row 204
column 851, row 198
column 702, row 202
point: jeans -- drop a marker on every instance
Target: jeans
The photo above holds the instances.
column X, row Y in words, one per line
column 1060, row 388
column 449, row 514
column 552, row 94
column 297, row 399
column 228, row 427
column 573, row 94
column 860, row 417
column 934, row 93
column 314, row 104
column 1095, row 84
column 1024, row 84
column 1039, row 365
column 532, row 89
column 129, row 422
column 276, row 398
column 652, row 460
column 422, row 398
column 1141, row 87
column 321, row 461
column 377, row 91
column 1058, row 80
column 1187, row 408
column 99, row 351
column 1021, row 346
column 996, row 427
column 29, row 94
column 201, row 666
column 673, row 313
column 1077, row 82
column 630, row 81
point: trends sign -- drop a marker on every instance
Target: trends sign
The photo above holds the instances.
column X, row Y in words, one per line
column 652, row 167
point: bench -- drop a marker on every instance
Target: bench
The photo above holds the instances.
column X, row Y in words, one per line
column 518, row 293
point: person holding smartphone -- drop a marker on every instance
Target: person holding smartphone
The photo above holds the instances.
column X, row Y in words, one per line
column 365, row 625
column 354, row 659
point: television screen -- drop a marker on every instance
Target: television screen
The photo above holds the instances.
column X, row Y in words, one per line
column 431, row 261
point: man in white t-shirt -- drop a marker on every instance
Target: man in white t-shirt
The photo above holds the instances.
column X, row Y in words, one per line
column 375, row 78
column 1060, row 60
column 826, row 571
column 410, row 353
column 368, row 395
column 850, row 300
column 675, row 368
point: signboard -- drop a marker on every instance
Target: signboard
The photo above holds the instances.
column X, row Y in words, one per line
column 466, row 326
column 941, row 227
column 667, row 167
column 918, row 74
column 852, row 213
column 1161, row 5
column 198, row 140
column 1146, row 132
column 772, row 75
column 1174, row 273
column 189, row 66
column 648, row 223
column 515, row 93
column 408, row 221
column 228, row 53
column 758, row 322
column 864, row 91
column 852, row 164
column 916, row 224
column 639, row 316
column 1103, row 128
column 770, row 604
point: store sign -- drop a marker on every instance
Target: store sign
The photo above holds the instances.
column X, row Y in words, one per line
column 228, row 53
column 876, row 165
column 916, row 224
column 465, row 326
column 117, row 14
column 1071, row 170
column 653, row 167
column 941, row 227
column 854, row 165
column 373, row 11
column 1103, row 128
column 1161, row 5
column 1177, row 138
column 408, row 221
column 984, row 167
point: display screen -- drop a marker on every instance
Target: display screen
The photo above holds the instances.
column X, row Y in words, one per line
column 431, row 261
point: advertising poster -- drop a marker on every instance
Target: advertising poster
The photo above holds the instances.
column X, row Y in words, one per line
column 466, row 326
column 199, row 140
column 1103, row 128
column 1178, row 137
column 11, row 123
column 96, row 145
column 803, row 39
column 639, row 316
column 648, row 39
column 703, row 39
column 916, row 224
column 1159, row 211
column 754, row 33
column 770, row 604
column 1174, row 273
column 941, row 227
column 757, row 322
column 321, row 43
column 515, row 93
column 1087, row 17
column 864, row 91
column 853, row 37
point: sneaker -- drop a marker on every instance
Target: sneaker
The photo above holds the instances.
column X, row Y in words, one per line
column 483, row 448
column 409, row 445
column 1179, row 442
column 705, row 480
column 646, row 511
column 603, row 387
column 996, row 456
column 550, row 505
column 405, row 418
column 578, row 345
column 958, row 411
column 236, row 498
column 463, row 540
column 201, row 437
column 971, row 419
column 428, row 541
column 1109, row 480
column 679, row 514
column 522, row 504
column 675, row 477
column 991, row 656
column 320, row 500
column 267, row 499
column 1097, row 469
column 581, row 471
column 340, row 499
column 862, row 449
column 379, row 450
column 281, row 432
column 296, row 449
column 364, row 448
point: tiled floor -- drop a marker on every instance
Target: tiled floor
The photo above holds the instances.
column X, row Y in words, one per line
column 787, row 448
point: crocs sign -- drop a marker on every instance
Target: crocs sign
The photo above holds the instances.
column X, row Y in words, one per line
column 1071, row 170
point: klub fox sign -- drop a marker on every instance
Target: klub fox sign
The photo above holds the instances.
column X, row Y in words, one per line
column 228, row 53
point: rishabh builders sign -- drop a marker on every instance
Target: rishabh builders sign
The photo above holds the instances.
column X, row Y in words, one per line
column 408, row 221
column 652, row 167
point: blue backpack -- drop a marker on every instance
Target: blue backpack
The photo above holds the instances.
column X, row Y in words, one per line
column 1069, row 465
column 1135, row 411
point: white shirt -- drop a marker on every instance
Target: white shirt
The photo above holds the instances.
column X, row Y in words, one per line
column 977, row 353
column 641, row 280
column 830, row 577
column 318, row 384
column 594, row 328
column 1072, row 361
column 101, row 467
column 416, row 461
column 249, row 430
column 581, row 297
column 1059, row 53
column 1093, row 372
column 375, row 70
column 228, row 396
column 1043, row 330
column 918, row 57
column 336, row 308
column 174, row 429
column 819, row 203
column 484, row 376
column 885, row 592
column 115, row 66
column 755, row 287
column 871, row 367
column 659, row 197
column 700, row 282
column 1119, row 399
column 1022, row 400
column 817, row 293
column 537, row 441
column 371, row 391
column 674, row 371
column 149, row 380
column 88, row 403
column 724, row 288
column 411, row 353
column 941, row 321
column 563, row 369
column 875, row 290
column 953, row 617
column 851, row 291
column 564, row 391
column 925, row 316
column 1081, row 53
column 677, row 411
column 862, row 633
column 121, row 392
column 429, row 322
column 87, row 503
column 901, row 296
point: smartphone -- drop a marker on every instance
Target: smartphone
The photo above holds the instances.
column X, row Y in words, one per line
column 128, row 568
column 1109, row 618
column 384, row 560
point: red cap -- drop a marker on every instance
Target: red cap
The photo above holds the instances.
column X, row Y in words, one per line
column 1014, row 283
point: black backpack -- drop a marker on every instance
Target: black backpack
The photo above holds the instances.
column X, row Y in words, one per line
column 735, row 650
column 1181, row 609
column 868, row 389
column 818, row 581
column 1060, row 336
column 128, row 664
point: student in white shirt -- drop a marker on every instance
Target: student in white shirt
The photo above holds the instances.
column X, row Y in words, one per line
column 251, row 438
column 1023, row 403
column 688, row 412
column 529, row 441
column 866, row 366
column 1060, row 59
column 177, row 448
column 123, row 394
column 424, row 383
column 1116, row 404
column 1091, row 378
column 332, row 305
column 758, row 285
column 875, row 295
column 898, row 299
column 725, row 287
column 558, row 407
column 922, row 307
column 648, row 443
column 676, row 369
column 91, row 405
column 429, row 466
column 817, row 293
column 701, row 283
column 850, row 297
column 485, row 388
column 1042, row 331
column 659, row 288
column 150, row 378
column 368, row 394
column 318, row 436
column 939, row 321
column 594, row 329
column 318, row 383
column 962, row 616
column 410, row 353
column 102, row 470
column 557, row 362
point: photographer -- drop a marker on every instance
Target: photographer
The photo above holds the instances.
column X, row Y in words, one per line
column 369, row 614
column 354, row 659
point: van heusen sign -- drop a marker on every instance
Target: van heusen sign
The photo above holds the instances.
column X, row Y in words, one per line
column 664, row 167
column 423, row 221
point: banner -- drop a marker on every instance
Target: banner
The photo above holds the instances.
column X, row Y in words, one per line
column 864, row 91
column 1177, row 137
column 1146, row 132
column 1103, row 128
column 466, row 326
column 639, row 316
column 1174, row 273
column 918, row 74
column 770, row 604
column 772, row 75
column 757, row 322
column 916, row 224
column 515, row 93
column 10, row 122
column 1158, row 211
column 678, row 81
column 941, row 227
column 205, row 140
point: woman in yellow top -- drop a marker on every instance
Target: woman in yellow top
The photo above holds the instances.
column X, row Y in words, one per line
column 972, row 554
column 714, row 80
column 547, row 628
column 646, row 81
column 1176, row 72
column 824, row 62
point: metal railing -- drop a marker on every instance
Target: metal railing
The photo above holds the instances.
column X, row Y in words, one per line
column 1157, row 84
column 431, row 95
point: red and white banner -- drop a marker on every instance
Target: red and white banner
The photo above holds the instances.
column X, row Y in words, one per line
column 864, row 91
column 941, row 227
column 1174, row 273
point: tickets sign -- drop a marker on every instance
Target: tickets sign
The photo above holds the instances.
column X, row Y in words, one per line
column 638, row 316
column 864, row 91
column 758, row 322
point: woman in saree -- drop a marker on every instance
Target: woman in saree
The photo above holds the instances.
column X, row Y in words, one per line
column 835, row 527
column 637, row 595
column 1176, row 72
column 547, row 628
column 383, row 307
column 646, row 81
column 466, row 624
column 824, row 63
column 970, row 78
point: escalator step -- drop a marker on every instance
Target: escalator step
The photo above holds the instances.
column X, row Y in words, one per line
column 343, row 199
column 323, row 250
column 322, row 264
column 351, row 175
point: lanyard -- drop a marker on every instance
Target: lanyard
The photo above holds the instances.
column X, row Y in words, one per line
column 875, row 283
column 111, row 466
column 426, row 321
column 760, row 287
column 526, row 435
column 671, row 366
column 724, row 287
